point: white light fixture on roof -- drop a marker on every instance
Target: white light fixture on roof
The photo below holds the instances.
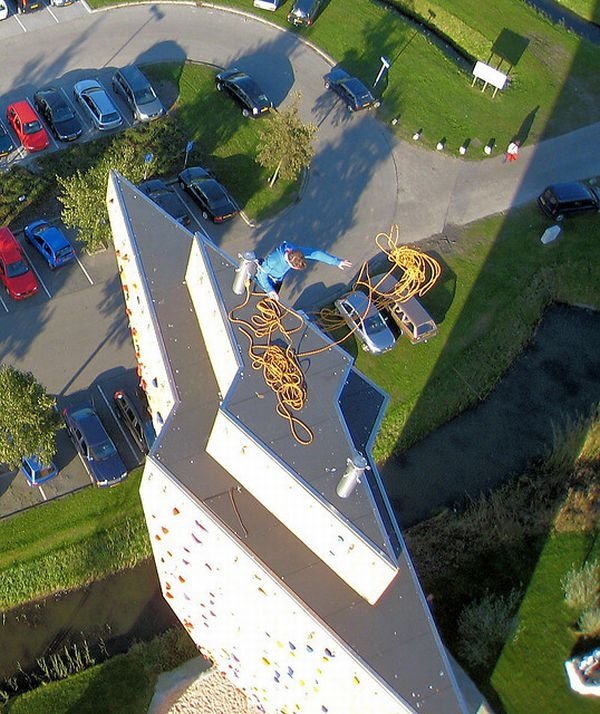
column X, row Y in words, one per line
column 356, row 466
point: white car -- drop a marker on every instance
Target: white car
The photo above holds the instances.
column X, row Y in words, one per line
column 3, row 10
column 96, row 103
column 267, row 4
column 367, row 323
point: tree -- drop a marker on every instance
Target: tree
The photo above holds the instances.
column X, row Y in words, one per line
column 83, row 195
column 28, row 419
column 285, row 143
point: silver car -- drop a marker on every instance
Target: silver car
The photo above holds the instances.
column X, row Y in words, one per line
column 95, row 101
column 365, row 319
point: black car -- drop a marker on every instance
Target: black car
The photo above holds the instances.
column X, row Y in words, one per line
column 167, row 198
column 569, row 199
column 6, row 143
column 140, row 428
column 95, row 447
column 304, row 12
column 354, row 93
column 212, row 198
column 245, row 91
column 59, row 116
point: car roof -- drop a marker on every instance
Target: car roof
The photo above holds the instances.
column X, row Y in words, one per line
column 570, row 190
column 24, row 109
column 89, row 423
column 54, row 237
column 8, row 244
column 134, row 77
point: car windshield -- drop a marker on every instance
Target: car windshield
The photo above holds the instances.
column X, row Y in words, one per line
column 19, row 267
column 63, row 252
column 31, row 127
column 102, row 450
column 110, row 117
column 144, row 95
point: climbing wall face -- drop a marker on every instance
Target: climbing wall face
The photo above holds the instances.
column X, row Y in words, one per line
column 255, row 630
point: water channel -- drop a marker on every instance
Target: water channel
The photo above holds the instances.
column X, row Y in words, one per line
column 556, row 377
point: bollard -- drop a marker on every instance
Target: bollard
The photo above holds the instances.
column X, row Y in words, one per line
column 245, row 271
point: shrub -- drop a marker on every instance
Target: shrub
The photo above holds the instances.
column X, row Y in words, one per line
column 485, row 625
column 589, row 622
column 580, row 586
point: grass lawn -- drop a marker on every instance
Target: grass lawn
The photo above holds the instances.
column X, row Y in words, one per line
column 555, row 86
column 588, row 9
column 71, row 541
column 530, row 668
column 496, row 279
column 123, row 684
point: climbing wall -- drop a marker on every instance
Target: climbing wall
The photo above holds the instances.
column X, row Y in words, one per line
column 255, row 630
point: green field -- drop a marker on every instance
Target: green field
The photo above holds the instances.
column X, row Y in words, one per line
column 66, row 543
column 555, row 86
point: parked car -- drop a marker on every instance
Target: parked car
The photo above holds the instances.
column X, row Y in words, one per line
column 140, row 428
column 27, row 126
column 3, row 10
column 6, row 143
column 210, row 195
column 267, row 4
column 167, row 198
column 95, row 447
column 410, row 316
column 304, row 12
column 133, row 85
column 24, row 6
column 245, row 91
column 50, row 242
column 36, row 471
column 15, row 272
column 567, row 199
column 354, row 93
column 59, row 115
column 97, row 104
column 61, row 3
column 367, row 322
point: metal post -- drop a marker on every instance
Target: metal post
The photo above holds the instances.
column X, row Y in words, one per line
column 245, row 271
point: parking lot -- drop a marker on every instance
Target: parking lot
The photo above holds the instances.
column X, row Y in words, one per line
column 73, row 335
column 46, row 15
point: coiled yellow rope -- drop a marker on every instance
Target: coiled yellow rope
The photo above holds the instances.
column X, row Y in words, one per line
column 281, row 366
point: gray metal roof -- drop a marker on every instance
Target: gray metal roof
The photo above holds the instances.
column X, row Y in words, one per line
column 396, row 637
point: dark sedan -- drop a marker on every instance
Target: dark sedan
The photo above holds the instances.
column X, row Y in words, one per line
column 208, row 193
column 58, row 114
column 245, row 91
column 354, row 93
column 167, row 198
column 98, row 453
column 6, row 143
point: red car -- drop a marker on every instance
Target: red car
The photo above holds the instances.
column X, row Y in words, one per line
column 15, row 273
column 27, row 125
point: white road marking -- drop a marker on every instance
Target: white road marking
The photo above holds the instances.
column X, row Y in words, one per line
column 85, row 272
column 3, row 304
column 20, row 23
column 43, row 494
column 127, row 439
column 53, row 15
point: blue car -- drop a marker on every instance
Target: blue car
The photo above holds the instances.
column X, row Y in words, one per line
column 50, row 242
column 95, row 447
column 37, row 472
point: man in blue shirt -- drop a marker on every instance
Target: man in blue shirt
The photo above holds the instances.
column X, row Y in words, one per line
column 273, row 269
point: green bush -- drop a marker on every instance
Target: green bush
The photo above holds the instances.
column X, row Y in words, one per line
column 485, row 625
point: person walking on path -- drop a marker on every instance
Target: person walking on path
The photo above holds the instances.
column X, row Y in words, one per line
column 512, row 152
column 287, row 256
